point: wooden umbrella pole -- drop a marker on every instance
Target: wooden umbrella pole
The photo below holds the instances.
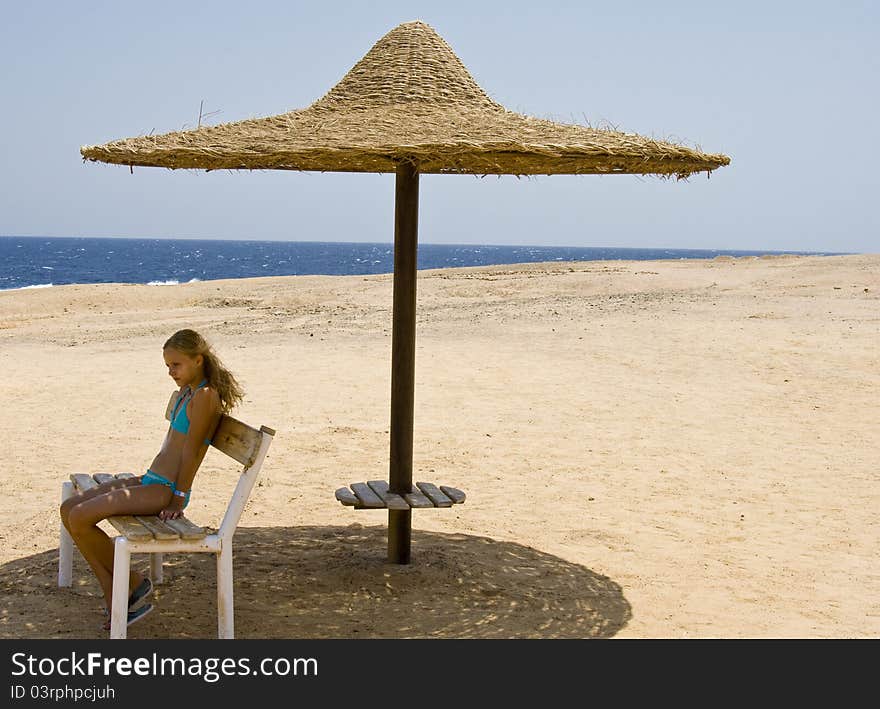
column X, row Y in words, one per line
column 403, row 356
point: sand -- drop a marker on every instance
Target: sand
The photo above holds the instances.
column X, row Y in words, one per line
column 654, row 449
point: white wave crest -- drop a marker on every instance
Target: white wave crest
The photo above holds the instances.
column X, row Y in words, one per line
column 41, row 285
column 172, row 282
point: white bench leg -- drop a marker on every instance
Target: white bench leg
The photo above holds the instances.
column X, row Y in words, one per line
column 156, row 575
column 225, row 606
column 65, row 544
column 119, row 610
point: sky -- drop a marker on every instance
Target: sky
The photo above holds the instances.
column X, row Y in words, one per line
column 788, row 90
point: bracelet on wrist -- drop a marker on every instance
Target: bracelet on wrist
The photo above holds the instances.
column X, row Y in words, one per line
column 180, row 493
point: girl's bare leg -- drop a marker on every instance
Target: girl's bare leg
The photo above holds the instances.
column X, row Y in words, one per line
column 81, row 520
column 82, row 495
column 96, row 543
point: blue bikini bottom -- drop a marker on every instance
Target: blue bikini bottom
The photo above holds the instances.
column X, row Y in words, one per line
column 151, row 478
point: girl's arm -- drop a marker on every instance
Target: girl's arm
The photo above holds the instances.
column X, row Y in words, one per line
column 204, row 415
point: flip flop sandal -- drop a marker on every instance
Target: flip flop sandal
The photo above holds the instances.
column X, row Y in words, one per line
column 144, row 589
column 133, row 616
column 141, row 592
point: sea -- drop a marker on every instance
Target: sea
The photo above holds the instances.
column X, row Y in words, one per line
column 42, row 262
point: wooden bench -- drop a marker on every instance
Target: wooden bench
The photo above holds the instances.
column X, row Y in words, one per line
column 151, row 535
column 375, row 494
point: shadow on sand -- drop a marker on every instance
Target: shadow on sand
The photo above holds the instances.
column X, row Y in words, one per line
column 334, row 582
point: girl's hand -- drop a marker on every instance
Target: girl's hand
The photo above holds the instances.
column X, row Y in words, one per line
column 173, row 510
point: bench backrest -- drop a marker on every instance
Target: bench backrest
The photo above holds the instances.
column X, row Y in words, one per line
column 244, row 444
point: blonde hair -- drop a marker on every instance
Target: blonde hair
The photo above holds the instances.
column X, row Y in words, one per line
column 220, row 379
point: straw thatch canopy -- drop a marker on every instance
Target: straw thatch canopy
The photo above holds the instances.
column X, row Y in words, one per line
column 410, row 99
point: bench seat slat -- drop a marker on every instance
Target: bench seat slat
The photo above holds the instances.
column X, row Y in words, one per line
column 435, row 494
column 130, row 527
column 392, row 501
column 366, row 497
column 416, row 499
column 83, row 481
column 87, row 481
column 158, row 528
column 346, row 497
column 453, row 493
column 186, row 529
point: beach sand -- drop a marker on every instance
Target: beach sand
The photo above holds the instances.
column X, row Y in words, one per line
column 651, row 449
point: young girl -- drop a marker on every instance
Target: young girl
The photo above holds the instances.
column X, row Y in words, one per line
column 207, row 390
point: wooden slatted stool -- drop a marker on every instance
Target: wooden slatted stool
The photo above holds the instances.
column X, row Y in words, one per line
column 375, row 495
column 151, row 535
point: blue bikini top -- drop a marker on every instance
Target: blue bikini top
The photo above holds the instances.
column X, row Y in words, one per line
column 179, row 419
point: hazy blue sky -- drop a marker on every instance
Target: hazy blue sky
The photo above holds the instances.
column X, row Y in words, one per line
column 789, row 90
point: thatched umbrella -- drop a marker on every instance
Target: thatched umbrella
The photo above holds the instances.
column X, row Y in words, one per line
column 408, row 107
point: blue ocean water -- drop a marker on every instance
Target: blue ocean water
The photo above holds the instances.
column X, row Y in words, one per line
column 32, row 262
